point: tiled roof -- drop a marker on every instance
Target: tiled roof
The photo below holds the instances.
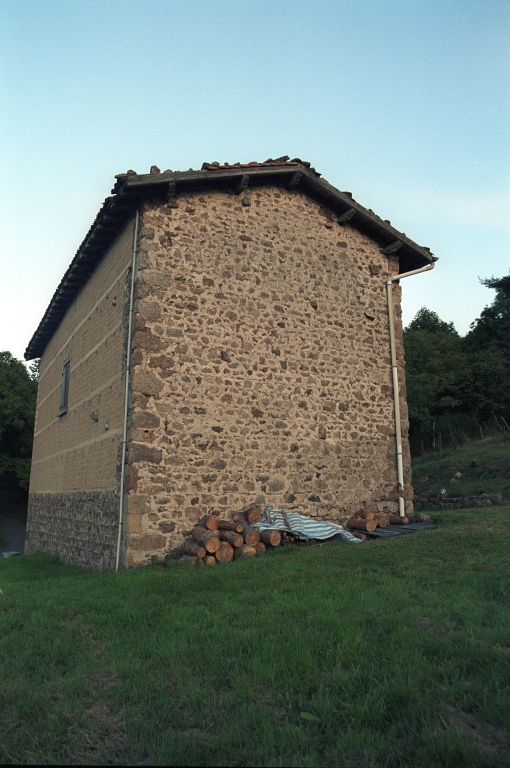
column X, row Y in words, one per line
column 285, row 160
column 131, row 189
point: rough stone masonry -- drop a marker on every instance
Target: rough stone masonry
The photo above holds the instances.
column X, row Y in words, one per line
column 261, row 365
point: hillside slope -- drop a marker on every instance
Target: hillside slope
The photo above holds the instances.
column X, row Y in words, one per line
column 484, row 467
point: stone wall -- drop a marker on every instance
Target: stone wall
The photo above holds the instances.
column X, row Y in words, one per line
column 465, row 502
column 80, row 528
column 261, row 365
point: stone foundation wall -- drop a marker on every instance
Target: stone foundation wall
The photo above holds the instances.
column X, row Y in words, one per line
column 80, row 528
column 261, row 365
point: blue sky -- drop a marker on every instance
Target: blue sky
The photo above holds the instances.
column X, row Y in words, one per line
column 404, row 103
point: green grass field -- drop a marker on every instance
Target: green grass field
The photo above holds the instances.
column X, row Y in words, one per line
column 390, row 653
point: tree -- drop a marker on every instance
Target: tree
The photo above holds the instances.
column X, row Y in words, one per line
column 454, row 384
column 435, row 366
column 493, row 325
column 492, row 331
column 426, row 320
column 18, row 392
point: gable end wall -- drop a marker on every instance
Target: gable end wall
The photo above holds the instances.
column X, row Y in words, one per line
column 261, row 366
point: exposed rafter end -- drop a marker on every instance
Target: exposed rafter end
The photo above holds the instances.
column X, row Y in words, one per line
column 170, row 191
column 294, row 181
column 241, row 184
column 347, row 216
column 392, row 247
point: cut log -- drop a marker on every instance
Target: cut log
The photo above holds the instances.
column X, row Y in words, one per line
column 261, row 548
column 397, row 520
column 362, row 525
column 359, row 535
column 253, row 513
column 365, row 514
column 250, row 536
column 383, row 520
column 270, row 538
column 190, row 547
column 225, row 553
column 244, row 552
column 240, row 518
column 230, row 525
column 210, row 522
column 233, row 538
column 206, row 538
column 209, row 560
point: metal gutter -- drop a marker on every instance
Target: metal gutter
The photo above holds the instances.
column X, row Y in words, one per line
column 394, row 376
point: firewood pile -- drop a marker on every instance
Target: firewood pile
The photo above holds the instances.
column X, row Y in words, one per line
column 215, row 540
column 364, row 520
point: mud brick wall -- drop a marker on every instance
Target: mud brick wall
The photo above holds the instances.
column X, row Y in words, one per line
column 75, row 458
column 261, row 365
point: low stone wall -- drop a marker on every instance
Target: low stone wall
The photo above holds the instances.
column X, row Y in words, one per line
column 80, row 528
column 434, row 502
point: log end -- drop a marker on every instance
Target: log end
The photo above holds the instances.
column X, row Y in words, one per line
column 245, row 552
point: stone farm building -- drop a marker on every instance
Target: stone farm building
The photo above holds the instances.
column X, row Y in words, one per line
column 222, row 336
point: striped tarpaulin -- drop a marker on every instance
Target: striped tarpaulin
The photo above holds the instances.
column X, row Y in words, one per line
column 302, row 526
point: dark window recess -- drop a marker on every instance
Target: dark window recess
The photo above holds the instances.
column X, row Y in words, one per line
column 64, row 392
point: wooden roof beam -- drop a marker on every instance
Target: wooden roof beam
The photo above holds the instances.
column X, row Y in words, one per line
column 241, row 184
column 343, row 218
column 294, row 181
column 392, row 247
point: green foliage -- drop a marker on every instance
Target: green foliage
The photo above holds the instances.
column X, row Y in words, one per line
column 18, row 392
column 35, row 369
column 492, row 331
column 426, row 320
column 457, row 382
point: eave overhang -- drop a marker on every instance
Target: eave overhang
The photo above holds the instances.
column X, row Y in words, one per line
column 132, row 189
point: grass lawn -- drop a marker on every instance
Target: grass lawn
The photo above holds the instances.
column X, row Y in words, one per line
column 390, row 653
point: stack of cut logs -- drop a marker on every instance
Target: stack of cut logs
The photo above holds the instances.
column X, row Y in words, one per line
column 215, row 540
column 364, row 520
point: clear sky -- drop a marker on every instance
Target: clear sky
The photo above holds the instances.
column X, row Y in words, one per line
column 404, row 103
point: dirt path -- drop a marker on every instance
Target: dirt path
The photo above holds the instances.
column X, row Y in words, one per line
column 14, row 533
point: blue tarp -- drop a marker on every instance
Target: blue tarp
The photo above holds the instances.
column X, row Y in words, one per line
column 302, row 526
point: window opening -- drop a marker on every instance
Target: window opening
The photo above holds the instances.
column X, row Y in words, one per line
column 64, row 391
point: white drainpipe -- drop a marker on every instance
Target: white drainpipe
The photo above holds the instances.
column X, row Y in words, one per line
column 394, row 375
column 126, row 395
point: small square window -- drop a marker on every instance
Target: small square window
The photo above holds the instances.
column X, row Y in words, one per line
column 64, row 391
